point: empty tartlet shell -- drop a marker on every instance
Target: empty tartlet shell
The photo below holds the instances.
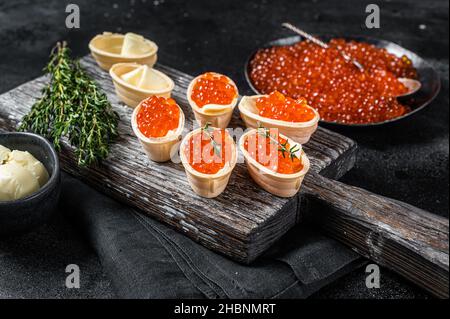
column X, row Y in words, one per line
column 159, row 149
column 208, row 185
column 106, row 59
column 299, row 132
column 219, row 119
column 132, row 95
column 282, row 185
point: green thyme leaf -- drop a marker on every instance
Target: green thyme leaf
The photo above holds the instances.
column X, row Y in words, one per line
column 265, row 132
column 209, row 131
column 73, row 106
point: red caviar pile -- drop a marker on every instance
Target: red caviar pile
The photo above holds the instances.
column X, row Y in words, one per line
column 157, row 116
column 203, row 156
column 279, row 107
column 213, row 88
column 335, row 87
column 266, row 152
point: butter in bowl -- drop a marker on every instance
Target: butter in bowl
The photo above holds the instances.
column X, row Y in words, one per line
column 21, row 174
column 29, row 182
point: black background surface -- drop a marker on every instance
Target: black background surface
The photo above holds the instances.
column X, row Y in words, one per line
column 408, row 162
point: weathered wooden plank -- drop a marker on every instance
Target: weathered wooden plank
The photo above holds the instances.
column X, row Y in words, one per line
column 408, row 240
column 241, row 223
column 244, row 221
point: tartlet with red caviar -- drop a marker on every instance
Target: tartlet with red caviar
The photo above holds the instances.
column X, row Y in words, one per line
column 293, row 118
column 274, row 161
column 208, row 155
column 158, row 122
column 212, row 97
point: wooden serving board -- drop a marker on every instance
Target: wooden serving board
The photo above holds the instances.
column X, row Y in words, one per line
column 241, row 223
column 245, row 220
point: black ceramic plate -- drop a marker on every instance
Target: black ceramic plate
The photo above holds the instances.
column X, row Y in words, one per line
column 429, row 78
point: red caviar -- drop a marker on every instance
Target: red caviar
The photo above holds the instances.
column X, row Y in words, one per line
column 208, row 151
column 157, row 116
column 279, row 107
column 335, row 87
column 213, row 88
column 266, row 152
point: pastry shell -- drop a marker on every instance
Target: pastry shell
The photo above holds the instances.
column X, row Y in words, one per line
column 300, row 132
column 132, row 95
column 218, row 116
column 159, row 149
column 282, row 185
column 106, row 50
column 208, row 185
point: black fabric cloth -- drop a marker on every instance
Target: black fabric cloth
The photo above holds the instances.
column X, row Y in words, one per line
column 146, row 259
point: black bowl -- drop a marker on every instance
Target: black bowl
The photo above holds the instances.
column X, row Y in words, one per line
column 428, row 77
column 25, row 214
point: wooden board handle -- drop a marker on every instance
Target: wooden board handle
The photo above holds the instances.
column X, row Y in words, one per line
column 404, row 238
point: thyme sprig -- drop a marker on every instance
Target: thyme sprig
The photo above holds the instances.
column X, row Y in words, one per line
column 73, row 106
column 209, row 132
column 282, row 147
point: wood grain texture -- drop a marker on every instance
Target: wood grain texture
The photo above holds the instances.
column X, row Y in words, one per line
column 245, row 220
column 408, row 240
column 241, row 223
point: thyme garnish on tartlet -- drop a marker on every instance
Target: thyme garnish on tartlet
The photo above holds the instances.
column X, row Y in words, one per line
column 209, row 132
column 73, row 106
column 283, row 148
